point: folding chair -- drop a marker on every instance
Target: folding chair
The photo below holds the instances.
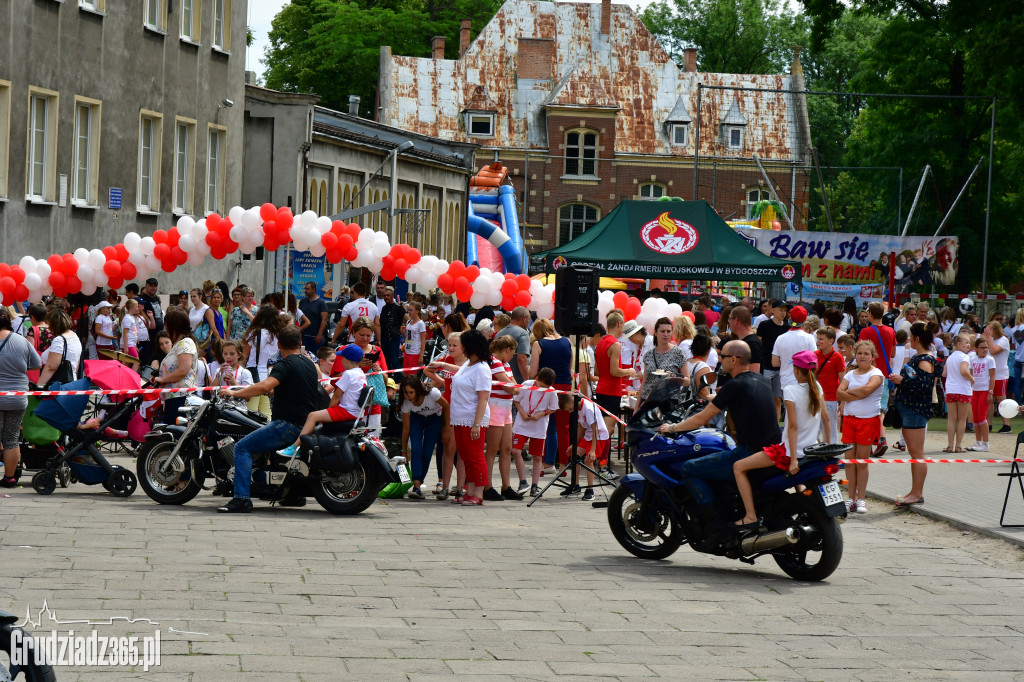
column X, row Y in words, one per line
column 1014, row 473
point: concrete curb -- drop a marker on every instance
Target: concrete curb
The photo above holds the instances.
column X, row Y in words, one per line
column 955, row 523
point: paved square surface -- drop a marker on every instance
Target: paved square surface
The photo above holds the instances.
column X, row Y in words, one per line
column 422, row 590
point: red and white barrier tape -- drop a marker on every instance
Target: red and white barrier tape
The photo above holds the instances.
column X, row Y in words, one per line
column 929, row 461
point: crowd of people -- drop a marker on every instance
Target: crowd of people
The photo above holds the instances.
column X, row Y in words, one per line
column 458, row 388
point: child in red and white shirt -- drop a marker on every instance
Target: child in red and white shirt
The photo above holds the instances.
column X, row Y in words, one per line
column 345, row 401
column 499, row 432
column 983, row 368
column 531, row 423
column 594, row 441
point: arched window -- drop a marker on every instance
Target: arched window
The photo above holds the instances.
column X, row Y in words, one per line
column 374, row 218
column 581, row 153
column 345, row 199
column 754, row 196
column 574, row 220
column 313, row 186
column 323, row 198
column 652, row 190
column 456, row 231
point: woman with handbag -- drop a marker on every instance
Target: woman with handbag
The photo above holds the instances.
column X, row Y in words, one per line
column 914, row 402
column 178, row 368
column 202, row 320
column 39, row 334
column 17, row 357
column 60, row 360
column 373, row 361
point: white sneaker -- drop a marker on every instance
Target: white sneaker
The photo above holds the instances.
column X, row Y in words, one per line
column 862, row 507
column 973, row 448
column 982, row 447
column 851, row 506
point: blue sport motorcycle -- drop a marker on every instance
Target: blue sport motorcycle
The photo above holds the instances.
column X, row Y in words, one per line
column 652, row 513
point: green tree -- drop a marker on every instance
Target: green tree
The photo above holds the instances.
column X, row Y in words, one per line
column 731, row 36
column 332, row 47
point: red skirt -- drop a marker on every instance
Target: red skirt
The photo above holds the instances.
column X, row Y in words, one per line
column 777, row 454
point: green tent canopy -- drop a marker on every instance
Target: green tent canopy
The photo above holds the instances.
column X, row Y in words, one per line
column 668, row 240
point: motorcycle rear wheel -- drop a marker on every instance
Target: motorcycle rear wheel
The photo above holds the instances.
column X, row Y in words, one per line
column 813, row 558
column 659, row 541
column 30, row 671
column 171, row 488
column 353, row 492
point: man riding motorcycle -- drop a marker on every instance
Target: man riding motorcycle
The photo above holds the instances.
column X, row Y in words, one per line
column 748, row 397
column 294, row 380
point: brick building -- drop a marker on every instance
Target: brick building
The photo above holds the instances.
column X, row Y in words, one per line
column 587, row 109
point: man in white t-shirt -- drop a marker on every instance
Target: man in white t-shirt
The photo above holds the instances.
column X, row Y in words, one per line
column 360, row 306
column 379, row 291
column 792, row 342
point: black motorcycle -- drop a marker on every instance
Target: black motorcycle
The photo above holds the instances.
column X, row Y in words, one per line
column 652, row 512
column 340, row 464
column 26, row 667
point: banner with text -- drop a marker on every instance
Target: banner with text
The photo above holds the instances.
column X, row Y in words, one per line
column 861, row 259
column 811, row 291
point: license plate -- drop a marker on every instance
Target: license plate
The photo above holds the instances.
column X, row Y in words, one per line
column 403, row 474
column 831, row 494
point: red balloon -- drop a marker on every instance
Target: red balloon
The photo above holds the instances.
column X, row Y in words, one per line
column 387, row 272
column 270, row 227
column 110, row 252
column 219, row 253
column 401, row 267
column 338, row 228
column 72, row 284
column 160, row 236
column 456, row 268
column 389, row 262
column 7, row 285
column 446, row 283
column 268, row 212
column 128, row 271
column 285, row 218
column 214, row 239
column 620, row 299
column 508, row 302
column 5, row 269
column 55, row 262
column 168, row 265
column 523, row 282
column 57, row 280
column 121, row 251
column 162, row 251
column 472, row 272
column 178, row 256
column 21, row 292
column 509, row 287
column 173, row 236
column 689, row 315
column 229, row 246
column 632, row 309
column 270, row 244
column 352, row 253
column 17, row 274
column 212, row 222
column 112, row 268
column 329, row 240
column 523, row 298
column 115, row 283
column 334, row 255
column 70, row 267
column 345, row 242
column 352, row 230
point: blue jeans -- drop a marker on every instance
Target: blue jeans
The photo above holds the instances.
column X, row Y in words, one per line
column 424, row 435
column 274, row 436
column 714, row 467
column 392, row 353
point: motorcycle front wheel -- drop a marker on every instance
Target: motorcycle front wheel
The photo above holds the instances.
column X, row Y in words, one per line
column 651, row 535
column 29, row 670
column 178, row 485
column 352, row 492
column 813, row 558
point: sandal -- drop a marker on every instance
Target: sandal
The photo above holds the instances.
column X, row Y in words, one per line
column 958, row 450
column 438, row 488
column 948, row 450
column 902, row 504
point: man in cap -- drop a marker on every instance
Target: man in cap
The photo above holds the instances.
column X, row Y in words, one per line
column 769, row 331
column 798, row 338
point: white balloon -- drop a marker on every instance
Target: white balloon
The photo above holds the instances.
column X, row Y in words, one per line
column 323, row 225
column 200, row 230
column 547, row 310
column 185, row 224
column 380, row 237
column 250, row 220
column 482, row 285
column 187, row 243
column 497, row 279
column 237, row 214
column 43, row 270
column 413, row 274
column 494, row 297
column 605, row 293
column 1007, row 408
column 478, row 300
column 313, row 238
column 317, row 250
column 146, row 246
column 96, row 259
column 366, row 238
column 33, row 281
column 604, row 305
column 428, row 280
column 203, row 247
column 246, row 247
column 196, row 258
column 307, row 219
column 131, row 241
column 82, row 255
column 440, row 267
column 152, row 262
column 646, row 320
column 296, row 232
column 99, row 278
column 85, row 273
column 35, row 295
column 649, row 304
column 485, row 273
column 237, row 233
column 137, row 258
column 428, row 263
column 380, row 248
column 673, row 310
column 28, row 264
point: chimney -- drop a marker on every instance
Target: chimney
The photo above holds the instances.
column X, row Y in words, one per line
column 437, row 47
column 464, row 36
column 353, row 105
column 796, row 68
column 606, row 17
column 690, row 60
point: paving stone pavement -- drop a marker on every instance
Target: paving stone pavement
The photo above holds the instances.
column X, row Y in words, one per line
column 427, row 590
column 966, row 495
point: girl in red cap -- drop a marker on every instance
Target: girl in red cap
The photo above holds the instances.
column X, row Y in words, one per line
column 806, row 418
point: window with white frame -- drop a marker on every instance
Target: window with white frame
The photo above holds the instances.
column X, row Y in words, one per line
column 184, row 164
column 156, row 14
column 734, row 137
column 190, row 13
column 215, row 168
column 150, row 134
column 581, row 153
column 222, row 24
column 42, row 145
column 574, row 220
column 754, row 196
column 5, row 134
column 680, row 133
column 652, row 190
column 84, row 180
column 481, row 125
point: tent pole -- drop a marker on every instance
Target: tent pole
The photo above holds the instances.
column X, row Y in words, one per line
column 696, row 142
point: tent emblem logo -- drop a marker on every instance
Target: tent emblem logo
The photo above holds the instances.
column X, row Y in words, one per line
column 788, row 272
column 669, row 236
column 559, row 262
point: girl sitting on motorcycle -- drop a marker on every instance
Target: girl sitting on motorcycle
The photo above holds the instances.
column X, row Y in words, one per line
column 805, row 419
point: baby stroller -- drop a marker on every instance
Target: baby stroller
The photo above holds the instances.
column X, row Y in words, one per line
column 40, row 442
column 81, row 451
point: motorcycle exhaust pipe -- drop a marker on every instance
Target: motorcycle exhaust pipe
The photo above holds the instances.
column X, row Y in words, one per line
column 768, row 541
